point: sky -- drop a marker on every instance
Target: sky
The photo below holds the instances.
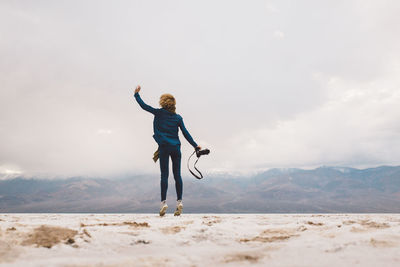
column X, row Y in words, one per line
column 262, row 84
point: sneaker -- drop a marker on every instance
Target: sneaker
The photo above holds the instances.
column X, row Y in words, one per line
column 179, row 208
column 163, row 208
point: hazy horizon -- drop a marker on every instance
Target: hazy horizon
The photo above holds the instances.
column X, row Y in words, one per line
column 208, row 174
column 263, row 84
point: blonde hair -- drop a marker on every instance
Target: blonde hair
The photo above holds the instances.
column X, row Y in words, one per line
column 167, row 101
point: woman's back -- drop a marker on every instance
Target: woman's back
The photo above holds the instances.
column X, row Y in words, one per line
column 166, row 124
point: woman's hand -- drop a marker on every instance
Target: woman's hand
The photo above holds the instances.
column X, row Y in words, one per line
column 137, row 89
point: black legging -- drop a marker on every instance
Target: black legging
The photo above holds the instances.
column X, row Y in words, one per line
column 165, row 151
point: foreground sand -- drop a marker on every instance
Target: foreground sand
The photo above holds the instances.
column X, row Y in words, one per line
column 199, row 240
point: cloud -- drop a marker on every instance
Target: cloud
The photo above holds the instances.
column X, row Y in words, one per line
column 104, row 131
column 279, row 35
column 358, row 126
column 326, row 94
column 9, row 171
column 271, row 8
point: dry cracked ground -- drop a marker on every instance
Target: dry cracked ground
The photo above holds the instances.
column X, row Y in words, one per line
column 200, row 240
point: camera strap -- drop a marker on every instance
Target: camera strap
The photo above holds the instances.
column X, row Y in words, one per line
column 195, row 175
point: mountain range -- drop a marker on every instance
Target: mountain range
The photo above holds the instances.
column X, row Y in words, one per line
column 320, row 190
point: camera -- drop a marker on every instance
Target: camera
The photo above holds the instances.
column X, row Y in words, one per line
column 198, row 154
column 202, row 152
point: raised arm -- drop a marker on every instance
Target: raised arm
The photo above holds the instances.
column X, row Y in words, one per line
column 186, row 134
column 141, row 102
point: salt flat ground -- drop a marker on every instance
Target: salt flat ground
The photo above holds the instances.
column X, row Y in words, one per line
column 200, row 240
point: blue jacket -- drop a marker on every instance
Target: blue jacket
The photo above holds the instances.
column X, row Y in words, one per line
column 166, row 125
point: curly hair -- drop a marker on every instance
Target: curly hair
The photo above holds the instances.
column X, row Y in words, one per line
column 167, row 101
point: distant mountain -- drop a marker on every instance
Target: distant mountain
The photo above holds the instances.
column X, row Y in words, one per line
column 325, row 189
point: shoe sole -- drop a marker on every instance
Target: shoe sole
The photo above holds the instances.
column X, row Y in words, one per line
column 178, row 210
column 163, row 210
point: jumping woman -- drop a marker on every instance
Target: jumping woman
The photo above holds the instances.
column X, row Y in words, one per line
column 166, row 123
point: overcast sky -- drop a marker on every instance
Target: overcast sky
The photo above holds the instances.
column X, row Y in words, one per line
column 263, row 84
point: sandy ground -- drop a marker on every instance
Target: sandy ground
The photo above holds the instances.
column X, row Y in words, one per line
column 199, row 240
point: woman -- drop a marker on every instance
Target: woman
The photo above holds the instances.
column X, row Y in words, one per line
column 166, row 123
